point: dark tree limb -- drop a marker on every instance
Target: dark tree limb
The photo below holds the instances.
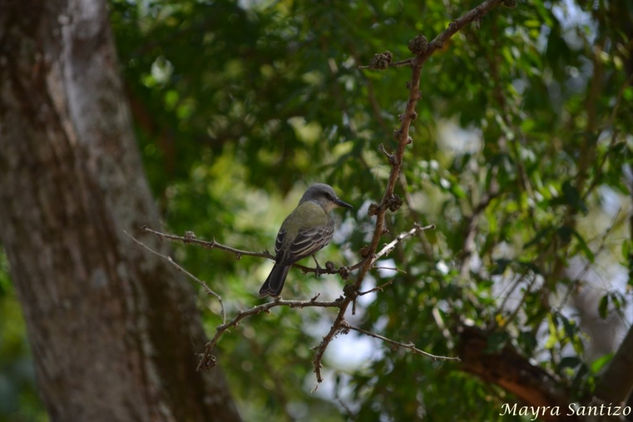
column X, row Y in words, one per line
column 510, row 370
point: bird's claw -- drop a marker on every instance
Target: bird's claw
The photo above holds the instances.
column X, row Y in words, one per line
column 318, row 270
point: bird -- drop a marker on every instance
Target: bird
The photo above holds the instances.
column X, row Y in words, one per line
column 307, row 229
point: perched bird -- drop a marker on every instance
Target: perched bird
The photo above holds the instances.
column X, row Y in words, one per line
column 306, row 230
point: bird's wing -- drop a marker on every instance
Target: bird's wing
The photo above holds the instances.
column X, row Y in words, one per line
column 279, row 241
column 308, row 241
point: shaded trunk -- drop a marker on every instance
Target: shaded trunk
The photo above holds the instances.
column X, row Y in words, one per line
column 114, row 331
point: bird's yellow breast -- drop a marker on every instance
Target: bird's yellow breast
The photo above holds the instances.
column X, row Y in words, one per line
column 307, row 215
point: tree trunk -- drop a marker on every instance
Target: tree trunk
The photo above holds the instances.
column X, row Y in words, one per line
column 114, row 330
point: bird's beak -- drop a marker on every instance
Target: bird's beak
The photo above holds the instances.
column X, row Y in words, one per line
column 341, row 203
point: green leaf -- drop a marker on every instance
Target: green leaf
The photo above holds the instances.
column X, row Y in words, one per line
column 573, row 199
column 539, row 235
column 583, row 246
column 602, row 307
column 569, row 362
column 496, row 341
column 569, row 326
column 500, row 266
column 599, row 363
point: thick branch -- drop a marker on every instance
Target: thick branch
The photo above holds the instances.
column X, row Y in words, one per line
column 511, row 371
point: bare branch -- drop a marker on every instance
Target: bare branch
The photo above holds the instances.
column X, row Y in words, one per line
column 399, row 63
column 453, row 27
column 207, row 359
column 182, row 270
column 191, row 238
column 386, row 250
column 408, row 346
column 510, row 370
column 437, row 42
column 377, row 288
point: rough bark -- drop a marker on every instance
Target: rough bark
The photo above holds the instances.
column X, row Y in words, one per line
column 114, row 331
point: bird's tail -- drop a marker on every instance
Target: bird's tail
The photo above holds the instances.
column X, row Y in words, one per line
column 275, row 281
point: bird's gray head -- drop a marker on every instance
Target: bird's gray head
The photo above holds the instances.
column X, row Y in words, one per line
column 325, row 196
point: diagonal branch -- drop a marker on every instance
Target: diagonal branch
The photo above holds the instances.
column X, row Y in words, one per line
column 377, row 288
column 408, row 346
column 182, row 270
column 389, row 201
column 389, row 247
column 207, row 360
column 437, row 42
column 510, row 370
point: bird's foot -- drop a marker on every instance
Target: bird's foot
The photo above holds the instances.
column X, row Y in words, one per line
column 318, row 270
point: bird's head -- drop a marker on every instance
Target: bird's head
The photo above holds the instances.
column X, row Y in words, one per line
column 325, row 196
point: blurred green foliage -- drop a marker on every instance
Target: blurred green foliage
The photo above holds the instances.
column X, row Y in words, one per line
column 18, row 398
column 521, row 158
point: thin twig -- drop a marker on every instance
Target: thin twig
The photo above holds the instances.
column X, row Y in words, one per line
column 399, row 63
column 413, row 213
column 390, row 269
column 212, row 244
column 408, row 346
column 207, row 359
column 389, row 247
column 508, row 293
column 190, row 238
column 182, row 270
column 439, row 321
column 572, row 286
column 516, row 310
column 387, row 154
column 377, row 288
